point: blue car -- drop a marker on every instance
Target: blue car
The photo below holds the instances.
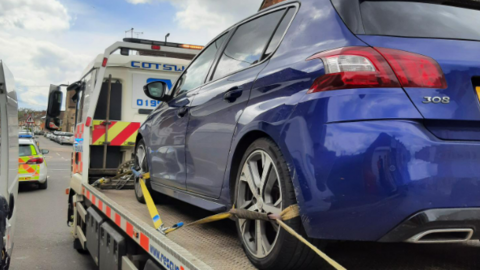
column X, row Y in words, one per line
column 364, row 113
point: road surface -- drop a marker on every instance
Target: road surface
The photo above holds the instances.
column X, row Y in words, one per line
column 42, row 238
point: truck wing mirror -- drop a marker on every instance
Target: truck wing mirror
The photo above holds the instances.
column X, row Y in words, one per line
column 55, row 99
column 156, row 90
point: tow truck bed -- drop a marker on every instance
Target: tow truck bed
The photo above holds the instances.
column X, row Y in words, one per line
column 209, row 246
column 215, row 245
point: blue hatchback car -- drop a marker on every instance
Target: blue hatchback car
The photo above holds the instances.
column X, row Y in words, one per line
column 365, row 113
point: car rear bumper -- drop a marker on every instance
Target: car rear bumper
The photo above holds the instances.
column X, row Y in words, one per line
column 361, row 180
column 438, row 226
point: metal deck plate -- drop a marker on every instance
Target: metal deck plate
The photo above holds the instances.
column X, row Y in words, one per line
column 216, row 244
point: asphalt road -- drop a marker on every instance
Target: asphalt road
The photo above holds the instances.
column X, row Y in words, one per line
column 42, row 239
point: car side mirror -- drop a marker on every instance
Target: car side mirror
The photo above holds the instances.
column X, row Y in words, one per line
column 44, row 151
column 155, row 90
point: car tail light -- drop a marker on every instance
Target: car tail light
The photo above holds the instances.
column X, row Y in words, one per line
column 366, row 67
column 415, row 70
column 37, row 160
column 353, row 67
column 156, row 47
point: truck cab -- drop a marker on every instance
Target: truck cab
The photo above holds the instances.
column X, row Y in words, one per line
column 110, row 106
column 8, row 162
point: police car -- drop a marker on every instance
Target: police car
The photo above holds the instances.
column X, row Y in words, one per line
column 32, row 167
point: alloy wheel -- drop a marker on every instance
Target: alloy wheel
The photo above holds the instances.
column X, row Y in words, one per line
column 259, row 190
column 142, row 164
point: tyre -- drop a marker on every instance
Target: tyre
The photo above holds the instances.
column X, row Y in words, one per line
column 263, row 184
column 141, row 164
column 43, row 185
column 78, row 247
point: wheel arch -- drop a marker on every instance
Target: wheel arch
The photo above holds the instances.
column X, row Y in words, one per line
column 237, row 156
column 139, row 137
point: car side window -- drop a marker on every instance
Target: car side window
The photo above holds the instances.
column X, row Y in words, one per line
column 248, row 44
column 282, row 28
column 196, row 73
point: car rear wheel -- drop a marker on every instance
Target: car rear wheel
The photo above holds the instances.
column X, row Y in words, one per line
column 264, row 185
column 141, row 164
column 43, row 185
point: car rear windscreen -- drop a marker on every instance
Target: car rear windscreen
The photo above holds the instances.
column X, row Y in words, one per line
column 435, row 19
column 24, row 150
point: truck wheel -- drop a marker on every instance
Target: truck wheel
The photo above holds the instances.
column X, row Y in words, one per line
column 43, row 185
column 78, row 247
column 141, row 164
column 264, row 185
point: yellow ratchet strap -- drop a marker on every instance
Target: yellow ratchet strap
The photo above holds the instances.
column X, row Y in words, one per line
column 152, row 209
column 287, row 213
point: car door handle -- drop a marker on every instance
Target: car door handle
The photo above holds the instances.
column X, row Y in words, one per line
column 232, row 94
column 182, row 111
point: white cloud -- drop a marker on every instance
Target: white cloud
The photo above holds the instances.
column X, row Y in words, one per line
column 208, row 16
column 37, row 64
column 213, row 15
column 45, row 15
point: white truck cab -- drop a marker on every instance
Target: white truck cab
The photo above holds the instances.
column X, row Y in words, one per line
column 8, row 163
column 110, row 107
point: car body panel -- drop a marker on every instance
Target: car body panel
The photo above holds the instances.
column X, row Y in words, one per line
column 211, row 125
column 166, row 143
column 31, row 172
column 395, row 168
column 460, row 65
column 361, row 160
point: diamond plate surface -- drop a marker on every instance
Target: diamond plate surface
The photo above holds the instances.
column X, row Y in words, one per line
column 216, row 244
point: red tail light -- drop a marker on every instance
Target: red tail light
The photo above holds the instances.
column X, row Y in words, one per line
column 104, row 63
column 365, row 67
column 37, row 160
column 88, row 121
column 415, row 70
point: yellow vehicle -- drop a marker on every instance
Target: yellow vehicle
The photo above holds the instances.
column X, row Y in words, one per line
column 32, row 167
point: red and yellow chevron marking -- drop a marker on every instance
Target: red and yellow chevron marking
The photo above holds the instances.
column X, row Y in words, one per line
column 77, row 163
column 119, row 133
column 28, row 172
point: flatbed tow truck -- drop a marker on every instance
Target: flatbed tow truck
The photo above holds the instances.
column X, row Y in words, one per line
column 115, row 229
column 111, row 224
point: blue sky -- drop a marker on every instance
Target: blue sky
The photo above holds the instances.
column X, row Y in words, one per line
column 51, row 41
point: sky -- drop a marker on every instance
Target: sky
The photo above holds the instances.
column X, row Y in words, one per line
column 47, row 42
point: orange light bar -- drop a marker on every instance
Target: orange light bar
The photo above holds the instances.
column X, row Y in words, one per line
column 193, row 47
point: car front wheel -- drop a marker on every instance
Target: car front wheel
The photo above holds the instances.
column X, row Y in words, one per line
column 142, row 166
column 264, row 185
